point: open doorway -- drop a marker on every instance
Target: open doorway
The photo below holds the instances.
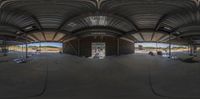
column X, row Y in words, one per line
column 35, row 48
column 98, row 50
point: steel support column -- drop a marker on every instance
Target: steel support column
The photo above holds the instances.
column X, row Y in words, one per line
column 188, row 48
column 4, row 48
column 118, row 45
column 170, row 50
column 191, row 49
column 156, row 46
column 40, row 47
column 194, row 49
column 26, row 50
column 134, row 48
column 78, row 50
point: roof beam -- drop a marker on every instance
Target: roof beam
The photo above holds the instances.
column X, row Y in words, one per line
column 40, row 26
column 162, row 37
column 76, row 17
column 185, row 25
column 48, row 30
column 158, row 25
column 102, row 28
column 8, row 33
column 12, row 26
column 135, row 27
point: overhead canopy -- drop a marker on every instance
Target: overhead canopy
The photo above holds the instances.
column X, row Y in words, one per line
column 141, row 20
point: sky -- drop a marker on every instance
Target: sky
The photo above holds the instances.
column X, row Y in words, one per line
column 152, row 44
column 55, row 44
column 163, row 45
column 47, row 44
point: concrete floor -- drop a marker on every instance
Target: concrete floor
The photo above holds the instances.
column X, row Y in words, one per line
column 55, row 76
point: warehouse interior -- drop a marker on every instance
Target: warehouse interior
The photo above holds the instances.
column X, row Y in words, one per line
column 99, row 49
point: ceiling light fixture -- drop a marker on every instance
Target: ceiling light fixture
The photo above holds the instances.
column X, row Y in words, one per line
column 167, row 28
